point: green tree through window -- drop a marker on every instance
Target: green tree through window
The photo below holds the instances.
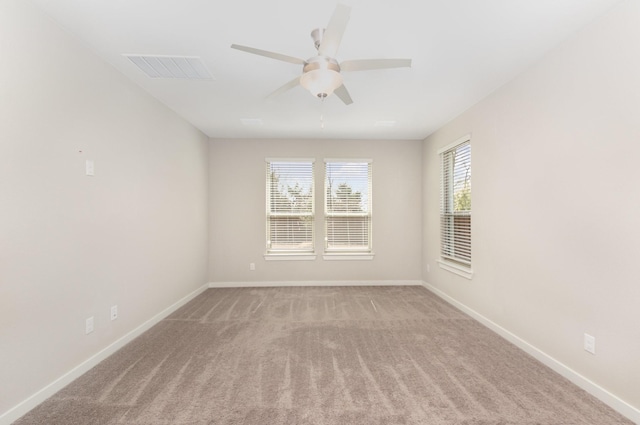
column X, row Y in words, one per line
column 455, row 204
column 289, row 206
column 348, row 206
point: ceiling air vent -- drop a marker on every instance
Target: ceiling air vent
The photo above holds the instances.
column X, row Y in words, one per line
column 181, row 67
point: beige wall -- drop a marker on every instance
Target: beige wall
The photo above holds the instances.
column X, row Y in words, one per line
column 556, row 205
column 237, row 211
column 70, row 245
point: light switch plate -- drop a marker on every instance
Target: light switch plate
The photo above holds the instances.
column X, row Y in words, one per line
column 89, row 168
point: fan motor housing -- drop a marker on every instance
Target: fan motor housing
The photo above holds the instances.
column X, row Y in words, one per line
column 321, row 62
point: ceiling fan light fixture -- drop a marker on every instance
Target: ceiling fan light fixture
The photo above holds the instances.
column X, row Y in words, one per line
column 321, row 82
column 321, row 73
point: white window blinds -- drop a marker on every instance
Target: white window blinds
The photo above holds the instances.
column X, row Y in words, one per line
column 290, row 206
column 455, row 202
column 348, row 205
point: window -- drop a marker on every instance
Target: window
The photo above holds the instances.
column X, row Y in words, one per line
column 455, row 204
column 290, row 206
column 348, row 207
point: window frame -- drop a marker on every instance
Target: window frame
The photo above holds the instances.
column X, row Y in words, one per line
column 289, row 254
column 346, row 252
column 448, row 259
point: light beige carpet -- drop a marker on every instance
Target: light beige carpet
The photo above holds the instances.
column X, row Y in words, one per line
column 327, row 356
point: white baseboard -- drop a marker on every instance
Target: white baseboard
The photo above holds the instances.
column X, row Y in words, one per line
column 589, row 386
column 315, row 283
column 22, row 408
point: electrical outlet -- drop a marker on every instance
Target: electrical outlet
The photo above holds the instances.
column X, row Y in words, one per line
column 252, row 266
column 114, row 312
column 88, row 325
column 428, row 268
column 590, row 343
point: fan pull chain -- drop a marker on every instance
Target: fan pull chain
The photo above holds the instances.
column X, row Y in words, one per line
column 322, row 113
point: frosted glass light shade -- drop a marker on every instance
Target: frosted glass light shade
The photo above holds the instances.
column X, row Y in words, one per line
column 321, row 82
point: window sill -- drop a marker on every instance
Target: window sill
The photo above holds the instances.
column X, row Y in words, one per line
column 349, row 256
column 465, row 272
column 290, row 257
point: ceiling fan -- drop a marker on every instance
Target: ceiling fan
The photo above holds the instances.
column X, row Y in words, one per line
column 321, row 73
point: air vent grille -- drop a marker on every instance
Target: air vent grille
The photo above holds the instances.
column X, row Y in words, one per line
column 175, row 67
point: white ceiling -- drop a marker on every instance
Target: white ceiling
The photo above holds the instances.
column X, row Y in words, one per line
column 462, row 50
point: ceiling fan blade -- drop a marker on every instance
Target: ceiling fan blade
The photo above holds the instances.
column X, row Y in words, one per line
column 269, row 54
column 343, row 94
column 369, row 64
column 335, row 29
column 288, row 86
